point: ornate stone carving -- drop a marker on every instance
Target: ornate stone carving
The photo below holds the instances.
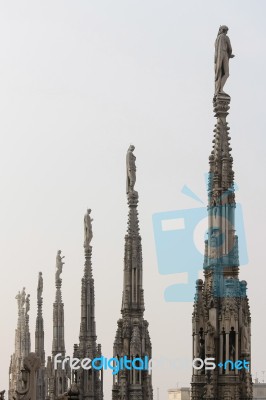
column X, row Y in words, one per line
column 210, row 338
column 223, row 52
column 134, row 385
column 59, row 265
column 131, row 169
column 31, row 364
column 221, row 314
column 88, row 234
column 245, row 339
column 40, row 287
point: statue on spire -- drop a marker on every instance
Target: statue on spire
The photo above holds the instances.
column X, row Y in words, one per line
column 27, row 306
column 131, row 169
column 18, row 298
column 59, row 265
column 23, row 297
column 40, row 287
column 223, row 51
column 88, row 235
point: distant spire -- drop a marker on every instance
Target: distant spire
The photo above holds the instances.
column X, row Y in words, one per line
column 39, row 342
column 90, row 384
column 39, row 331
column 58, row 311
column 57, row 379
column 22, row 343
column 87, row 325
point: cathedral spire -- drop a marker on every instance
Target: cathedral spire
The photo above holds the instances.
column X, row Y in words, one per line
column 22, row 344
column 221, row 317
column 87, row 325
column 90, row 382
column 57, row 379
column 133, row 299
column 132, row 337
column 39, row 331
column 58, row 311
column 39, row 342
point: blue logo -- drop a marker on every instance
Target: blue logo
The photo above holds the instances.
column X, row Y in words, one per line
column 209, row 364
column 176, row 234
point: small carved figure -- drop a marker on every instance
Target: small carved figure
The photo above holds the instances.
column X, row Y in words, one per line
column 215, row 200
column 23, row 297
column 27, row 307
column 18, row 298
column 223, row 51
column 88, row 235
column 40, row 287
column 131, row 169
column 213, row 245
column 2, row 395
column 208, row 391
column 126, row 329
column 245, row 338
column 59, row 265
column 210, row 338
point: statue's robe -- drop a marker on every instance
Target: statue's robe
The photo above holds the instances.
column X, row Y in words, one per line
column 223, row 51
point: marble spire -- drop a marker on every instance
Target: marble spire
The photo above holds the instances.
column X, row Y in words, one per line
column 39, row 342
column 221, row 317
column 22, row 344
column 132, row 336
column 90, row 382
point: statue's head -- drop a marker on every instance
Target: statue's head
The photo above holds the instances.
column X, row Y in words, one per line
column 131, row 147
column 59, row 252
column 223, row 29
column 88, row 210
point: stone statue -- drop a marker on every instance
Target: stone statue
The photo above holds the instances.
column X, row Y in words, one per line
column 126, row 329
column 88, row 235
column 213, row 245
column 131, row 169
column 27, row 307
column 40, row 287
column 18, row 298
column 210, row 338
column 223, row 51
column 59, row 265
column 208, row 391
column 23, row 297
column 245, row 338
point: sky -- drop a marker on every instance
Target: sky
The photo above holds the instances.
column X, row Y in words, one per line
column 79, row 82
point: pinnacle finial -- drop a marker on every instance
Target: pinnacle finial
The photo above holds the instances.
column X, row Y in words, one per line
column 223, row 52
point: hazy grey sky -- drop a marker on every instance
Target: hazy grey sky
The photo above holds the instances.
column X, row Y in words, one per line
column 79, row 82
